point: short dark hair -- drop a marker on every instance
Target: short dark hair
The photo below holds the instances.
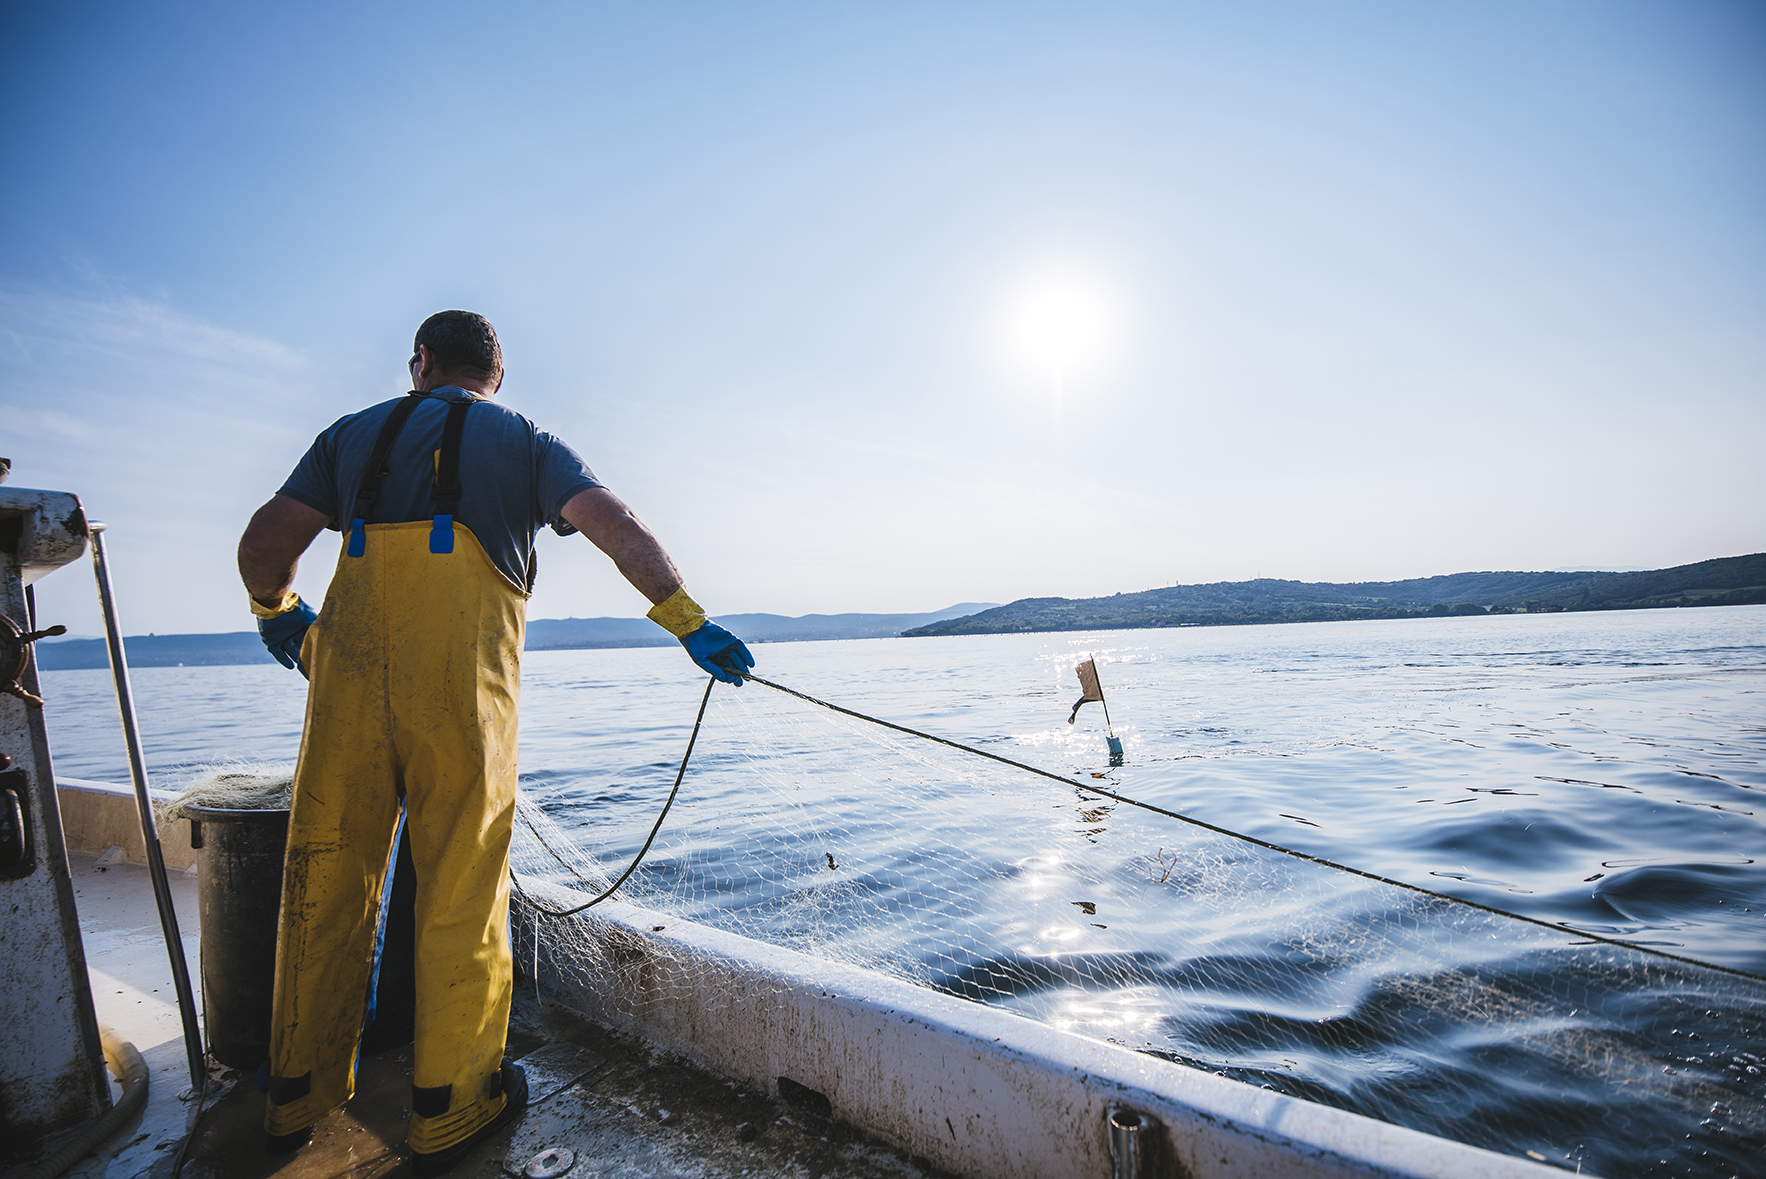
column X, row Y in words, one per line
column 462, row 342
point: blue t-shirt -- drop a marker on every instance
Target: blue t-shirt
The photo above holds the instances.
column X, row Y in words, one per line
column 514, row 477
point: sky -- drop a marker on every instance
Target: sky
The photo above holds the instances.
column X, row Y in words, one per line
column 888, row 307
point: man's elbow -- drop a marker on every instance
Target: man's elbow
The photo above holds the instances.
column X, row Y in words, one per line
column 256, row 549
column 279, row 532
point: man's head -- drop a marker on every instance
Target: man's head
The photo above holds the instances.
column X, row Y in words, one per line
column 457, row 347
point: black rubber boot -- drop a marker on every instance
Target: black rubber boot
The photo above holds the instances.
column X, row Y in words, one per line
column 287, row 1143
column 515, row 1101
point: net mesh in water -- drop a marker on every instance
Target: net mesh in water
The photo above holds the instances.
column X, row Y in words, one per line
column 839, row 838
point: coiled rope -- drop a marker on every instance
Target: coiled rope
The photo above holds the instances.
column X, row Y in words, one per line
column 1554, row 926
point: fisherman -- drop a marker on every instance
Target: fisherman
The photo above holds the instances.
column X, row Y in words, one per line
column 415, row 670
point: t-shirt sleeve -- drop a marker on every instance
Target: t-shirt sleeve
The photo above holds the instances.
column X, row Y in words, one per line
column 314, row 479
column 562, row 475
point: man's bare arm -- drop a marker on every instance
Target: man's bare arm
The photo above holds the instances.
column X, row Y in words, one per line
column 271, row 547
column 599, row 515
column 602, row 517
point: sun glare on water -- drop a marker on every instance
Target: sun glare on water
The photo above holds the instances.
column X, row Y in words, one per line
column 1059, row 325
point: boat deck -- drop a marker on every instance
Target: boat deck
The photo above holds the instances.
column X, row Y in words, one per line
column 632, row 1113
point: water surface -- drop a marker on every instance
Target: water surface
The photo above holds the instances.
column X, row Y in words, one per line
column 1600, row 770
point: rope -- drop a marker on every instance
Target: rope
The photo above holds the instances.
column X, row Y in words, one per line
column 642, row 852
column 1554, row 926
column 190, row 1134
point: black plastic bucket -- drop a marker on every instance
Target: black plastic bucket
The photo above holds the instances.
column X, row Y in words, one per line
column 239, row 893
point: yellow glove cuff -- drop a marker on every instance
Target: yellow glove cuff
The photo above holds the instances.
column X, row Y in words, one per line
column 677, row 614
column 289, row 601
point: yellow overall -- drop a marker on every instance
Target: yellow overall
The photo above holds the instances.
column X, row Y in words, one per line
column 415, row 665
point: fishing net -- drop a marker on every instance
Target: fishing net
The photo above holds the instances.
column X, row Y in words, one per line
column 233, row 786
column 843, row 839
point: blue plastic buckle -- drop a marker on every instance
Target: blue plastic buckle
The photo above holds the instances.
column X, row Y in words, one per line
column 441, row 534
column 358, row 539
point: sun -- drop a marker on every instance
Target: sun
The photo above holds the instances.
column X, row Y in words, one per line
column 1059, row 325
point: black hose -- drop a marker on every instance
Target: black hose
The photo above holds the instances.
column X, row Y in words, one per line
column 633, row 866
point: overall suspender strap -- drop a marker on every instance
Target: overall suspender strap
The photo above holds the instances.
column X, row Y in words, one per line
column 368, row 487
column 447, row 479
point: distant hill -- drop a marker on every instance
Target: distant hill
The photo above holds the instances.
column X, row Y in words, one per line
column 551, row 634
column 1727, row 581
column 157, row 651
column 543, row 634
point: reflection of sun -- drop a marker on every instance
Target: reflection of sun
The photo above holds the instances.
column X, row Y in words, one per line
column 1058, row 325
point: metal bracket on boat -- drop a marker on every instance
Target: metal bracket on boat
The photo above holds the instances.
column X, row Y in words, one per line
column 1125, row 1144
column 17, row 856
column 550, row 1163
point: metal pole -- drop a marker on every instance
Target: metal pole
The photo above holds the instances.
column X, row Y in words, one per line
column 1111, row 743
column 1108, row 727
column 156, row 865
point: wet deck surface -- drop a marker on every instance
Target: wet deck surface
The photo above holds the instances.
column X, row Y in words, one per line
column 612, row 1121
column 632, row 1113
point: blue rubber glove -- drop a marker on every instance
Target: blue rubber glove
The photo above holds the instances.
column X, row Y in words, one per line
column 284, row 634
column 718, row 652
